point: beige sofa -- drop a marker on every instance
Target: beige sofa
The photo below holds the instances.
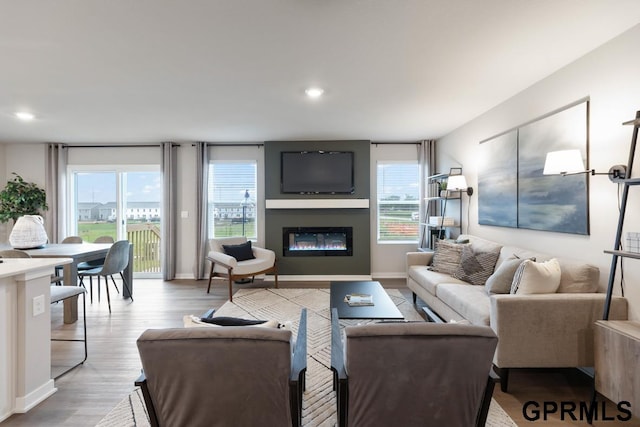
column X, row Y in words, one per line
column 534, row 331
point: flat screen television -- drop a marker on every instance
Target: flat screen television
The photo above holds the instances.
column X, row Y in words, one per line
column 317, row 172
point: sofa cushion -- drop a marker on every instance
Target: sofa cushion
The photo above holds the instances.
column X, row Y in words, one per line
column 536, row 277
column 578, row 277
column 502, row 278
column 470, row 301
column 476, row 264
column 446, row 257
column 428, row 279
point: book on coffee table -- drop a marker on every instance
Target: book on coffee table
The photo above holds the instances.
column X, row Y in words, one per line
column 358, row 299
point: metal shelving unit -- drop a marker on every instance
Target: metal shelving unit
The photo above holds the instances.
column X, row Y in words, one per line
column 617, row 251
column 436, row 203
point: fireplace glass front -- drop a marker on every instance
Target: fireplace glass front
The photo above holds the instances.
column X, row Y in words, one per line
column 317, row 241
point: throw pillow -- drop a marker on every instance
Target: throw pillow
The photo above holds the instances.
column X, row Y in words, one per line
column 502, row 278
column 476, row 267
column 446, row 257
column 536, row 277
column 241, row 252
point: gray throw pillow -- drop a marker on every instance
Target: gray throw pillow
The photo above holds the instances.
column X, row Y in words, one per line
column 446, row 257
column 502, row 278
column 476, row 267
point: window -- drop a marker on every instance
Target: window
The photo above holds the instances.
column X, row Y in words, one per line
column 398, row 201
column 232, row 199
column 106, row 201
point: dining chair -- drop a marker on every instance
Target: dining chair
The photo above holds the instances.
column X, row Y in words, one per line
column 61, row 293
column 88, row 265
column 68, row 239
column 72, row 239
column 116, row 261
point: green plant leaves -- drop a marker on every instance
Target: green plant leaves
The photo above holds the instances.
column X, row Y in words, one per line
column 19, row 198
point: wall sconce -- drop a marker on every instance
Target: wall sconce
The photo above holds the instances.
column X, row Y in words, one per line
column 569, row 162
column 458, row 183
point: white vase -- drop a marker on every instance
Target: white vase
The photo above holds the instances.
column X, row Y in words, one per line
column 28, row 232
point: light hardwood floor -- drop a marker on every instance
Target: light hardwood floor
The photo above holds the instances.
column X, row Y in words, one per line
column 86, row 394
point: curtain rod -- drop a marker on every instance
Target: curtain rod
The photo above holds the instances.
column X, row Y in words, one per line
column 219, row 144
column 395, row 143
column 115, row 146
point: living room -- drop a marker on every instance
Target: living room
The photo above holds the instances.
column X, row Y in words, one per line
column 603, row 73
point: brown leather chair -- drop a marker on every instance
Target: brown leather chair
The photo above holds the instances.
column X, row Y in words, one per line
column 223, row 376
column 413, row 374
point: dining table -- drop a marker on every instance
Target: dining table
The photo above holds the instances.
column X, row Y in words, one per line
column 79, row 252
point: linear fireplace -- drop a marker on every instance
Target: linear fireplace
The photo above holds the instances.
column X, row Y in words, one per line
column 317, row 241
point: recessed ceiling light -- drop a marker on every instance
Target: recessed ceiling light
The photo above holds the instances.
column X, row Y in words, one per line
column 314, row 92
column 23, row 115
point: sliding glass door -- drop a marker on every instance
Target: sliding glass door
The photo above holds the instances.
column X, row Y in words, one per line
column 123, row 202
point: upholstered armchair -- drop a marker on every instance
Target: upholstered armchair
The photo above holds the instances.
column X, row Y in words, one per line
column 224, row 376
column 239, row 262
column 412, row 374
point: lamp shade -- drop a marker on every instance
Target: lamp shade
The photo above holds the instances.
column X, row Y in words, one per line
column 563, row 162
column 457, row 183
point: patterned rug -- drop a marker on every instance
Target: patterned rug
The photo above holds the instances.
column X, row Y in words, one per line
column 283, row 305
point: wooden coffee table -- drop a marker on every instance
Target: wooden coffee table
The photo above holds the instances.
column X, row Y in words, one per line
column 383, row 307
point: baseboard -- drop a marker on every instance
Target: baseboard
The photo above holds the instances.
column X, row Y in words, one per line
column 400, row 275
column 317, row 278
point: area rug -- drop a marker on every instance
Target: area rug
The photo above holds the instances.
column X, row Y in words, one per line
column 283, row 305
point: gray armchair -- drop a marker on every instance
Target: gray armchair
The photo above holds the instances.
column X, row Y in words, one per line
column 413, row 374
column 224, row 376
column 227, row 266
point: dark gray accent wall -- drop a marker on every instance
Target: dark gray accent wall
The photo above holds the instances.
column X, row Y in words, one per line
column 359, row 219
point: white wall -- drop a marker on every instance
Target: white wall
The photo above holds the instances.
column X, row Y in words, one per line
column 3, row 173
column 609, row 77
column 27, row 160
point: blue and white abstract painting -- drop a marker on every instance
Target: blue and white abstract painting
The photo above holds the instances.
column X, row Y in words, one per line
column 498, row 181
column 513, row 192
column 553, row 202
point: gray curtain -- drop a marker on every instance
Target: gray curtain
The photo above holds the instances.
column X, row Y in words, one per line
column 202, row 203
column 55, row 186
column 169, row 213
column 427, row 160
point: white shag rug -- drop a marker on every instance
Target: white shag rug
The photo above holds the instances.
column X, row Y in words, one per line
column 283, row 305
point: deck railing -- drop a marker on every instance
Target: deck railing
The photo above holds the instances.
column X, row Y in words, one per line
column 146, row 247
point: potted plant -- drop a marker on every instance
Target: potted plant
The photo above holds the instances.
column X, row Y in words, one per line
column 21, row 198
column 443, row 189
column 22, row 202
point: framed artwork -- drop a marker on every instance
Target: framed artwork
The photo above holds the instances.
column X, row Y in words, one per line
column 553, row 202
column 513, row 192
column 498, row 181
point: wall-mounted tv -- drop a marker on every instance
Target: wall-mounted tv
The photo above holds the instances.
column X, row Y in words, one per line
column 317, row 172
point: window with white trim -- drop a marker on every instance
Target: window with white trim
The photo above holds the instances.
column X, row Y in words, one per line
column 398, row 201
column 232, row 198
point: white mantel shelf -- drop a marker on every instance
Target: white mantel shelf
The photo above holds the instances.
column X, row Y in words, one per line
column 317, row 204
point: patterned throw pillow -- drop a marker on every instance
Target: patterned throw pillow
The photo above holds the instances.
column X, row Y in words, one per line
column 537, row 278
column 476, row 267
column 446, row 257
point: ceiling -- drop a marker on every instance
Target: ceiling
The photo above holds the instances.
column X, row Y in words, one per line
column 123, row 71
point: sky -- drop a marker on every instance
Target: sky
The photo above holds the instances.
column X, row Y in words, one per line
column 100, row 187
